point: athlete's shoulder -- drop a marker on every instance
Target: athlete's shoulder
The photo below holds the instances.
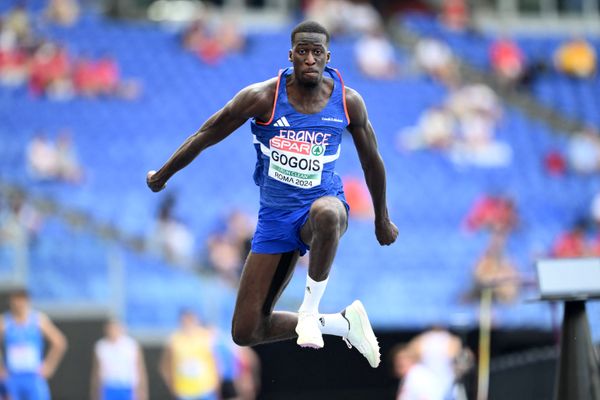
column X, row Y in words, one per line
column 255, row 100
column 355, row 105
column 264, row 90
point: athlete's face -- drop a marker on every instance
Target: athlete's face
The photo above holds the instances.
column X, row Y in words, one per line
column 309, row 55
column 19, row 304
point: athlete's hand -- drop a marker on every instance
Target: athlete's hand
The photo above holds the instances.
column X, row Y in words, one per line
column 46, row 371
column 386, row 232
column 153, row 183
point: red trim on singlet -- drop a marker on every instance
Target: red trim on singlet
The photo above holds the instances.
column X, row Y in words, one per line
column 274, row 102
column 343, row 95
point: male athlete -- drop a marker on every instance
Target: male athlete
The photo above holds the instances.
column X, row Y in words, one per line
column 298, row 120
column 23, row 331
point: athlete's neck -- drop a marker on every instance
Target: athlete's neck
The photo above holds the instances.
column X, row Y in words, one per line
column 20, row 316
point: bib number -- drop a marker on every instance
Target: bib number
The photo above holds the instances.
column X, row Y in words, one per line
column 296, row 163
column 22, row 358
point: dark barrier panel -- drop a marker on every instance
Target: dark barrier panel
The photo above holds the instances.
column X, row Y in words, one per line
column 72, row 380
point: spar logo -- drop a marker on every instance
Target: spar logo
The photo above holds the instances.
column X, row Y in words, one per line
column 317, row 150
column 292, row 146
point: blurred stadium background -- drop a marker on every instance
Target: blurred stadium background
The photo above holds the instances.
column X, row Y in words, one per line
column 489, row 134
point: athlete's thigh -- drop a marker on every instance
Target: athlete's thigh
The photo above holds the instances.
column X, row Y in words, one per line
column 263, row 279
column 330, row 202
column 41, row 391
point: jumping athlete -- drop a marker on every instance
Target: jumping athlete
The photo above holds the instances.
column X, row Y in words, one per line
column 298, row 119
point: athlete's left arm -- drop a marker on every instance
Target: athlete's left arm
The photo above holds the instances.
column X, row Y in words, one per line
column 372, row 164
column 58, row 346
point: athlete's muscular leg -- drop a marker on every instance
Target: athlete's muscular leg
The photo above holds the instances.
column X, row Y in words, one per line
column 262, row 282
column 326, row 223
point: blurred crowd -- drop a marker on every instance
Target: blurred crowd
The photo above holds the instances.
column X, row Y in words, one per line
column 46, row 67
column 54, row 160
column 575, row 57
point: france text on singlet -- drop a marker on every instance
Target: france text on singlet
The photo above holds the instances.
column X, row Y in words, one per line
column 296, row 152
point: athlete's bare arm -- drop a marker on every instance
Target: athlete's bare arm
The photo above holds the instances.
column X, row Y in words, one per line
column 141, row 390
column 366, row 145
column 58, row 346
column 253, row 101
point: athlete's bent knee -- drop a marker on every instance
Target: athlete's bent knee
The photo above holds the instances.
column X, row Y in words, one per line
column 326, row 219
column 243, row 334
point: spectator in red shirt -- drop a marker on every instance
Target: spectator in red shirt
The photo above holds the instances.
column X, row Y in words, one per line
column 84, row 77
column 572, row 242
column 496, row 213
column 50, row 71
column 507, row 60
column 106, row 72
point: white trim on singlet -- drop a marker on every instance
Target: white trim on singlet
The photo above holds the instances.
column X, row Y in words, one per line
column 267, row 152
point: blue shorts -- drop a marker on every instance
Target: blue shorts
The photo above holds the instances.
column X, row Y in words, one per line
column 278, row 231
column 27, row 387
column 117, row 393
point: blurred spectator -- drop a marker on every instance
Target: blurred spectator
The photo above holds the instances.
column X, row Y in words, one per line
column 228, row 247
column 107, row 77
column 507, row 60
column 477, row 145
column 475, row 98
column 62, row 12
column 435, row 58
column 20, row 222
column 554, row 163
column 455, row 14
column 189, row 364
column 496, row 213
column 576, row 58
column 17, row 22
column 49, row 161
column 495, row 271
column 375, row 56
column 13, row 59
column 50, row 72
column 435, row 129
column 172, row 239
column 358, row 197
column 572, row 243
column 342, row 17
column 464, row 128
column 212, row 43
column 583, row 151
column 42, row 158
column 430, row 366
column 118, row 370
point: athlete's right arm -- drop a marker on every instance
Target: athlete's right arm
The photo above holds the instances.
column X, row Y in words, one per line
column 166, row 367
column 253, row 101
column 95, row 378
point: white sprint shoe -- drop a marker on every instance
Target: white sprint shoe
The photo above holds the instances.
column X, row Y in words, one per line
column 361, row 334
column 309, row 333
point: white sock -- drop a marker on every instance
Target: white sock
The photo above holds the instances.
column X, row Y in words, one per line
column 312, row 295
column 334, row 324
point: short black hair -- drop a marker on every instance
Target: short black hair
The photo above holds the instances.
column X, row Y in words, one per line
column 310, row 27
column 19, row 292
